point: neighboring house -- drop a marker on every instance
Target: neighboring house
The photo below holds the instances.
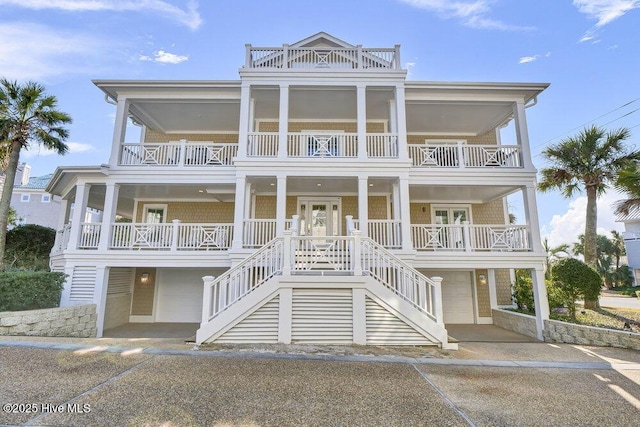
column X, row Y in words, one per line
column 631, row 237
column 322, row 197
column 34, row 205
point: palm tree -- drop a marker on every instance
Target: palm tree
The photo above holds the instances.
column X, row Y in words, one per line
column 590, row 162
column 629, row 183
column 27, row 116
column 553, row 254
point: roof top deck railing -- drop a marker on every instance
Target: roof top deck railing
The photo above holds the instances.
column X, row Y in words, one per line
column 322, row 57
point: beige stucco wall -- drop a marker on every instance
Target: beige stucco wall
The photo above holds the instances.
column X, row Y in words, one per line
column 142, row 302
column 155, row 136
column 488, row 138
column 482, row 292
column 265, row 207
column 417, row 215
column 374, row 127
column 194, row 212
column 488, row 213
column 503, row 287
column 377, row 207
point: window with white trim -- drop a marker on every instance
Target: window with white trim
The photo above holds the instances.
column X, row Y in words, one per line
column 46, row 198
column 25, row 197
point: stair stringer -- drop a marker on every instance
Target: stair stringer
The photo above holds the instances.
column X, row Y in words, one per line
column 406, row 312
column 238, row 311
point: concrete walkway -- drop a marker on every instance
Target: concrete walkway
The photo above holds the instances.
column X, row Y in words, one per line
column 129, row 381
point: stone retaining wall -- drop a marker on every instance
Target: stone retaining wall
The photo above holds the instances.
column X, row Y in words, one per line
column 75, row 321
column 516, row 322
column 555, row 331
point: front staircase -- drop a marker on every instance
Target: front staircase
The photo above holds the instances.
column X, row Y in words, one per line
column 323, row 290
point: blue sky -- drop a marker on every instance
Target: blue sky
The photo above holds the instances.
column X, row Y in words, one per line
column 589, row 50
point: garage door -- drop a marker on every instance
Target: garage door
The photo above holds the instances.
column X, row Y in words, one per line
column 179, row 296
column 457, row 296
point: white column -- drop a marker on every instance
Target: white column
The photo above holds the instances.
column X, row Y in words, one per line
column 100, row 297
column 493, row 294
column 363, row 205
column 120, row 130
column 79, row 210
column 403, row 151
column 531, row 216
column 206, row 299
column 64, row 212
column 283, row 121
column 243, row 131
column 393, row 117
column 361, row 109
column 540, row 299
column 65, row 296
column 395, row 200
column 108, row 215
column 359, row 316
column 437, row 299
column 238, row 212
column 522, row 133
column 281, row 205
column 405, row 215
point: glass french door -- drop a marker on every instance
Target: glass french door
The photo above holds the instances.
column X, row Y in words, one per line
column 451, row 235
column 319, row 217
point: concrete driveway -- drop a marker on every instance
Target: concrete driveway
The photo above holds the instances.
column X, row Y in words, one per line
column 77, row 384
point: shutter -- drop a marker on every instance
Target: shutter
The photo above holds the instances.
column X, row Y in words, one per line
column 83, row 284
column 383, row 328
column 261, row 326
column 322, row 316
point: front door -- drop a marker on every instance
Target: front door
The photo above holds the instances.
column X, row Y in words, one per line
column 319, row 217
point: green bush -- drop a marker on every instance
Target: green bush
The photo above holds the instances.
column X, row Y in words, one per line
column 28, row 247
column 523, row 293
column 30, row 290
column 575, row 280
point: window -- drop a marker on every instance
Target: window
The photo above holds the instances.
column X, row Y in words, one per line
column 154, row 214
column 25, row 197
column 46, row 198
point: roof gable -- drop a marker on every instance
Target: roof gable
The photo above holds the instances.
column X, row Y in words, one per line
column 322, row 39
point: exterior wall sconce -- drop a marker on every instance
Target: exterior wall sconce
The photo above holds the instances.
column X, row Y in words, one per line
column 144, row 278
column 482, row 279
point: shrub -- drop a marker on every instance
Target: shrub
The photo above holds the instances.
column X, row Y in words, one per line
column 30, row 290
column 28, row 247
column 575, row 280
column 523, row 293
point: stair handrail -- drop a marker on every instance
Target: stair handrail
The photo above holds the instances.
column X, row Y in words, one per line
column 237, row 282
column 422, row 292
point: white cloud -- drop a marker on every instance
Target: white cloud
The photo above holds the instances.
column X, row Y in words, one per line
column 35, row 52
column 40, row 151
column 567, row 227
column 527, row 59
column 164, row 57
column 472, row 13
column 605, row 11
column 188, row 16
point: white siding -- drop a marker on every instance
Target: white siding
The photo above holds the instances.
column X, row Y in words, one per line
column 322, row 316
column 383, row 328
column 83, row 283
column 261, row 326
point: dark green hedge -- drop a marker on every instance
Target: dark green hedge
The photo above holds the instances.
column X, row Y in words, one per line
column 30, row 290
column 28, row 247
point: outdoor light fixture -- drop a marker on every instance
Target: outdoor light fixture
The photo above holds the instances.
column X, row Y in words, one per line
column 482, row 279
column 144, row 278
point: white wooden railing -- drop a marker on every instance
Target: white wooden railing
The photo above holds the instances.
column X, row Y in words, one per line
column 460, row 155
column 89, row 235
column 344, row 255
column 257, row 232
column 314, row 58
column 141, row 236
column 470, row 237
column 204, row 237
column 183, row 153
column 322, row 145
column 382, row 145
column 386, row 232
column 62, row 239
column 263, row 144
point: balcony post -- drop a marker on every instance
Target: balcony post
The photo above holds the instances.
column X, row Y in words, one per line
column 287, row 250
column 183, row 152
column 206, row 299
column 285, row 56
column 283, row 121
column 363, row 205
column 522, row 134
column 243, row 131
column 405, row 214
column 120, row 130
column 79, row 210
column 175, row 230
column 437, row 300
column 461, row 155
column 359, row 53
column 401, row 118
column 357, row 253
column 531, row 217
column 361, row 93
column 247, row 60
column 397, row 64
column 238, row 213
column 295, row 224
column 108, row 215
column 466, row 232
column 281, row 205
column 350, row 225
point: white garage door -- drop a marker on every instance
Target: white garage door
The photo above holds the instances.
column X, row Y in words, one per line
column 179, row 296
column 457, row 296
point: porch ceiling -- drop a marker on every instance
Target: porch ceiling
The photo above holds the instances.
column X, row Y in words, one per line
column 458, row 194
